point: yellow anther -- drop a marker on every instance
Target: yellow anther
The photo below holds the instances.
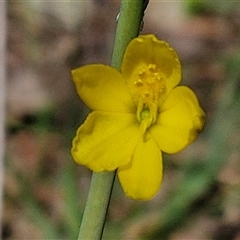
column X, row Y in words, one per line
column 158, row 76
column 146, row 94
column 142, row 73
column 138, row 83
column 152, row 67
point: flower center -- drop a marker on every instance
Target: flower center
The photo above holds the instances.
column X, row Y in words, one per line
column 149, row 84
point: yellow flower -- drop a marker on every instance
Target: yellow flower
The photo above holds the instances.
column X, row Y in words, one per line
column 136, row 114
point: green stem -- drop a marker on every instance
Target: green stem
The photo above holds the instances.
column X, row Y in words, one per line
column 93, row 221
column 97, row 205
column 129, row 22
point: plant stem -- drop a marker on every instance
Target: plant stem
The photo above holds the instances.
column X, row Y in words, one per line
column 93, row 221
column 129, row 22
column 97, row 205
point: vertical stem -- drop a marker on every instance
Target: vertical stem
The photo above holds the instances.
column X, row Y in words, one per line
column 129, row 22
column 97, row 204
column 2, row 96
column 93, row 221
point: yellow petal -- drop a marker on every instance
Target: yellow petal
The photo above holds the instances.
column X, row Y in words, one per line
column 146, row 50
column 102, row 88
column 179, row 121
column 106, row 140
column 142, row 177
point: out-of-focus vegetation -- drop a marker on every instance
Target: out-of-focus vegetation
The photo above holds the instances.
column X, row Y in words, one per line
column 45, row 192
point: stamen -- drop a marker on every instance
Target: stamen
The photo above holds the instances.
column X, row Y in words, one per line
column 148, row 87
column 139, row 83
column 142, row 73
column 151, row 67
column 146, row 95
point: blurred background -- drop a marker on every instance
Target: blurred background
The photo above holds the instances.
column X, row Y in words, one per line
column 45, row 192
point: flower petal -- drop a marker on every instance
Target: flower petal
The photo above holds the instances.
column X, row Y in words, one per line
column 179, row 121
column 142, row 177
column 102, row 88
column 105, row 141
column 147, row 49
